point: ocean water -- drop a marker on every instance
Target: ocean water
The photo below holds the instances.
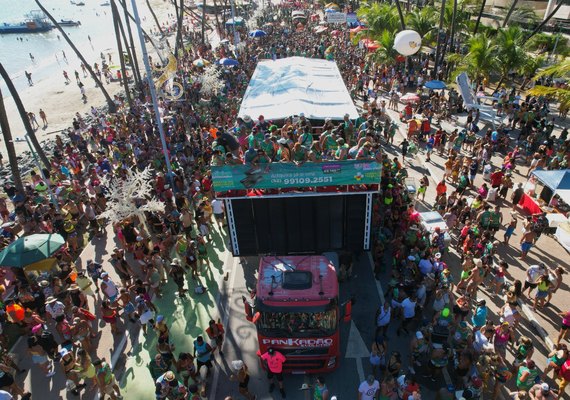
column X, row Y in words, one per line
column 96, row 22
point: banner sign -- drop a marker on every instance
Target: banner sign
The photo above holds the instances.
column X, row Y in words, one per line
column 336, row 18
column 351, row 19
column 290, row 175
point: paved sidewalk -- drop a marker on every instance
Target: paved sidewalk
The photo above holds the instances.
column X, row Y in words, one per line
column 129, row 353
column 542, row 325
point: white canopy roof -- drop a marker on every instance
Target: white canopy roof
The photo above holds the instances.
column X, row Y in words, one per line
column 294, row 85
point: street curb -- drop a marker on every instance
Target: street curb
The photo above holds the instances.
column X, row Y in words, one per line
column 530, row 316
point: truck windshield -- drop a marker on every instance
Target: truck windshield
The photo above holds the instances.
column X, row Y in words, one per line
column 298, row 323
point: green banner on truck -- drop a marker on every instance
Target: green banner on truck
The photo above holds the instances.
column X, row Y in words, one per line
column 290, row 175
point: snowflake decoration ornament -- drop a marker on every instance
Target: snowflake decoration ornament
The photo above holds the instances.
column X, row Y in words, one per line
column 211, row 81
column 131, row 196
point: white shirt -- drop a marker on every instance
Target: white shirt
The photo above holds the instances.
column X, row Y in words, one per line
column 383, row 317
column 535, row 272
column 217, row 206
column 368, row 391
column 409, row 308
column 55, row 309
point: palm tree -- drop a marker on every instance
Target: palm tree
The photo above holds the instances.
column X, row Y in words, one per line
column 481, row 59
column 511, row 9
column 545, row 20
column 116, row 22
column 530, row 67
column 386, row 54
column 154, row 17
column 24, row 117
column 560, row 94
column 422, row 20
column 12, row 158
column 483, row 3
column 379, row 17
column 110, row 103
column 510, row 51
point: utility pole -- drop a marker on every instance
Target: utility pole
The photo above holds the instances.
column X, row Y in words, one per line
column 152, row 90
column 236, row 34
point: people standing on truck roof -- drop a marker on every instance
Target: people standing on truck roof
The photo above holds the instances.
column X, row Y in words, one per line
column 273, row 362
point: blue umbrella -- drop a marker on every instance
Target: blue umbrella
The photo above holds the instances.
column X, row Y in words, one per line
column 435, row 85
column 228, row 62
column 257, row 33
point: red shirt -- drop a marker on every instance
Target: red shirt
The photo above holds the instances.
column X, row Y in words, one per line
column 496, row 178
column 274, row 362
column 565, row 370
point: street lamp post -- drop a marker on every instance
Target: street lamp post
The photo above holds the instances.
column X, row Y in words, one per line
column 236, row 35
column 37, row 162
column 152, row 89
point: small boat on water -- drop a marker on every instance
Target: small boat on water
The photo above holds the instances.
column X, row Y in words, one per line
column 35, row 22
column 69, row 22
column 105, row 3
column 80, row 3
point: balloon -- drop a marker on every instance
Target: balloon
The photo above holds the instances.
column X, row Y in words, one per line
column 407, row 42
column 445, row 312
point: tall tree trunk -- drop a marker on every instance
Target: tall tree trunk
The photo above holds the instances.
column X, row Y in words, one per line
column 155, row 18
column 451, row 35
column 218, row 25
column 203, row 22
column 545, row 21
column 130, row 46
column 116, row 21
column 508, row 16
column 12, row 158
column 131, row 18
column 402, row 21
column 179, row 27
column 24, row 117
column 479, row 17
column 110, row 102
column 438, row 47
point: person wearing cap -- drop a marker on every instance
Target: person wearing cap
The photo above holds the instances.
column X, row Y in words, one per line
column 368, row 389
column 78, row 299
column 177, row 274
column 273, row 362
column 94, row 271
column 541, row 391
column 106, row 379
column 418, row 348
column 241, row 375
column 68, row 364
column 54, row 308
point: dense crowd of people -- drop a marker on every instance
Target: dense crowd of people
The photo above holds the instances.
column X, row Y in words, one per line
column 448, row 324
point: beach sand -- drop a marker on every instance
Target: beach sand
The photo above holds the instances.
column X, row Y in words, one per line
column 60, row 101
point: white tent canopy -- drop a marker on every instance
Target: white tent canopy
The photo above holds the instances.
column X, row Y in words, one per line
column 294, row 85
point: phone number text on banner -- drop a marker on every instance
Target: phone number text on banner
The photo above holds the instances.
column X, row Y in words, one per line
column 288, row 175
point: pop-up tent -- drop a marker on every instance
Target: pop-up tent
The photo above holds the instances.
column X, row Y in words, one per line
column 294, row 85
column 558, row 181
